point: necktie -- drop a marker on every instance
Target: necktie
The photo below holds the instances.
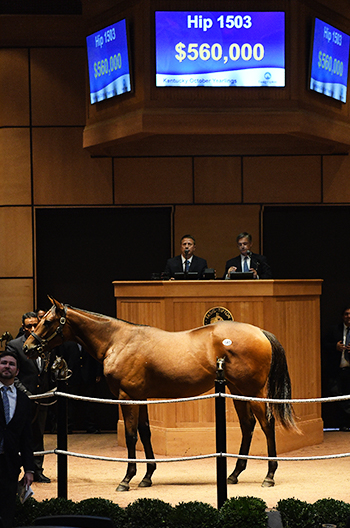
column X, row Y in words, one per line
column 6, row 403
column 187, row 265
column 245, row 266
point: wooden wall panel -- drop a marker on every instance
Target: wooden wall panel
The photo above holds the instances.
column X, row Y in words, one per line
column 15, row 176
column 16, row 242
column 153, row 180
column 217, row 180
column 215, row 229
column 14, row 87
column 293, row 179
column 336, row 173
column 16, row 298
column 65, row 174
column 58, row 86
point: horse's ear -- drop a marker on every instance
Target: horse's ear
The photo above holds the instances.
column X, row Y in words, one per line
column 58, row 305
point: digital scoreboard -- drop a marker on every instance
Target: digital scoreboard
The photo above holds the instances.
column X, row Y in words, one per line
column 109, row 62
column 329, row 61
column 220, row 49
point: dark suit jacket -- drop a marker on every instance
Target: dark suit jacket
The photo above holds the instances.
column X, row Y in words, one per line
column 332, row 355
column 85, row 369
column 17, row 436
column 34, row 381
column 258, row 262
column 175, row 264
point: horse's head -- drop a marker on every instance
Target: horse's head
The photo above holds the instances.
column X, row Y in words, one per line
column 48, row 333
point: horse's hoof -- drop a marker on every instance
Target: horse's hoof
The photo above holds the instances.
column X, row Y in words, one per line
column 268, row 483
column 145, row 483
column 232, row 480
column 123, row 487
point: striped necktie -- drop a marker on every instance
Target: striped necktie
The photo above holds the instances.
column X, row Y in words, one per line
column 6, row 403
column 245, row 266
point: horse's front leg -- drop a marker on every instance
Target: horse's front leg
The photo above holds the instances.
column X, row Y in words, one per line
column 268, row 426
column 145, row 436
column 247, row 423
column 131, row 418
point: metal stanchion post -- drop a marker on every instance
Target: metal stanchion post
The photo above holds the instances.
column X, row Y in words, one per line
column 220, row 419
column 62, row 473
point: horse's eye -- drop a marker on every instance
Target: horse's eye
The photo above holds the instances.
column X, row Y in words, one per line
column 46, row 323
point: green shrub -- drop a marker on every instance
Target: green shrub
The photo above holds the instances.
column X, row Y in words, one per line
column 243, row 512
column 331, row 511
column 56, row 506
column 147, row 513
column 296, row 513
column 102, row 508
column 27, row 512
column 193, row 515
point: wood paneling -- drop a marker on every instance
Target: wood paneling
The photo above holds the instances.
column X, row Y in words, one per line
column 153, row 180
column 215, row 229
column 295, row 179
column 15, row 177
column 16, row 298
column 217, row 180
column 336, row 173
column 64, row 174
column 14, row 87
column 57, row 86
column 289, row 309
column 16, row 242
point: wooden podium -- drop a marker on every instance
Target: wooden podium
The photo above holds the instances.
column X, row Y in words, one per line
column 290, row 309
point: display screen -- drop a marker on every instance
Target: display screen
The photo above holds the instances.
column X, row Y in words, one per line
column 215, row 48
column 329, row 61
column 108, row 62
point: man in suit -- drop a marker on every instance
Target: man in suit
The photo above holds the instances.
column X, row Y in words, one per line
column 33, row 378
column 187, row 260
column 247, row 261
column 336, row 345
column 86, row 374
column 15, row 438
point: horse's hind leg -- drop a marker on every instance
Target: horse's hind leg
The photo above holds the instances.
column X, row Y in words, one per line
column 268, row 426
column 131, row 418
column 247, row 423
column 145, row 436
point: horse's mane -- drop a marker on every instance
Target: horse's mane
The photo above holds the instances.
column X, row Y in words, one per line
column 101, row 316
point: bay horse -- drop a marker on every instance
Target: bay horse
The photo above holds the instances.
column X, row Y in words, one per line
column 141, row 362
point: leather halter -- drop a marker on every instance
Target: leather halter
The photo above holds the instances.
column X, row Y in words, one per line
column 43, row 342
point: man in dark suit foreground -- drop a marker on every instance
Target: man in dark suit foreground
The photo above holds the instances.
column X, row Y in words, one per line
column 187, row 261
column 33, row 378
column 247, row 261
column 336, row 345
column 15, row 438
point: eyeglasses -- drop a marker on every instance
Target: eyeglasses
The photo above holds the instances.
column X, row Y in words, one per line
column 29, row 326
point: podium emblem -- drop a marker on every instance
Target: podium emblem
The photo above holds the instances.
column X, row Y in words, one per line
column 217, row 314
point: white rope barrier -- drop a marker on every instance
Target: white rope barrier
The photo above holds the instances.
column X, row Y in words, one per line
column 195, row 457
column 179, row 400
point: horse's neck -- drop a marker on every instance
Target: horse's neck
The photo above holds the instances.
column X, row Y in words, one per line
column 95, row 333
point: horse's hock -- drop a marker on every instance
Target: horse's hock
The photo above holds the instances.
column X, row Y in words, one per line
column 287, row 308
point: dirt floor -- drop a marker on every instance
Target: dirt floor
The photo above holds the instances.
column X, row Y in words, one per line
column 196, row 480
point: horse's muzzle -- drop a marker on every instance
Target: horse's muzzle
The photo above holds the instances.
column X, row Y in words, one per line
column 32, row 352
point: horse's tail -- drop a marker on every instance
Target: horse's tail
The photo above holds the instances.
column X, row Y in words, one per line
column 279, row 385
